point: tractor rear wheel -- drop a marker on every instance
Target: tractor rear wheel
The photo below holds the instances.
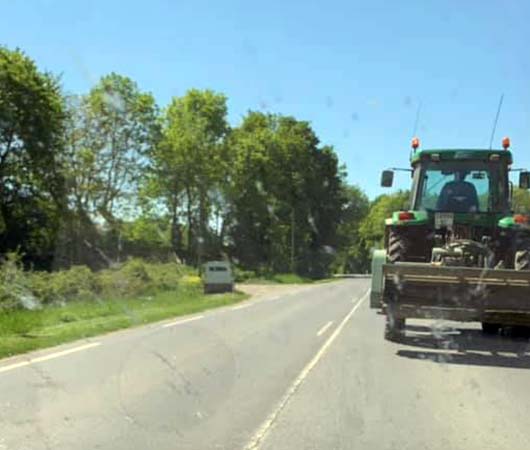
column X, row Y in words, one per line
column 397, row 246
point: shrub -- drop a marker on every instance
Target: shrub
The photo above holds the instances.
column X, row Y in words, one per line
column 15, row 285
column 165, row 276
column 241, row 275
column 76, row 283
column 21, row 289
column 131, row 279
column 135, row 269
column 289, row 278
column 192, row 281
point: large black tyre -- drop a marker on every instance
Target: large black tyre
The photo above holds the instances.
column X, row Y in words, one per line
column 397, row 246
column 490, row 328
column 397, row 252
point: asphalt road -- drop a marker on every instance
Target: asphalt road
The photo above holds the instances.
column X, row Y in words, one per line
column 304, row 369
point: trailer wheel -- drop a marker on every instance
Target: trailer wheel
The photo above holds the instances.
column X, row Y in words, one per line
column 490, row 328
column 397, row 246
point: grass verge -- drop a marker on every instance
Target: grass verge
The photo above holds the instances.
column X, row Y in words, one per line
column 23, row 330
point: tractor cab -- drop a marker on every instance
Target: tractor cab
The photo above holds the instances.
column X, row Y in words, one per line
column 459, row 252
column 460, row 180
column 468, row 186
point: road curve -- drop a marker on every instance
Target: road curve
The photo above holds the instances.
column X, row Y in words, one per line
column 304, row 369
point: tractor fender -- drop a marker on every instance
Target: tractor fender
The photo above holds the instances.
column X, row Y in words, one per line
column 378, row 281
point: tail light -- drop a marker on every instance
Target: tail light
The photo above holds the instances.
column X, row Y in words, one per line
column 406, row 216
column 520, row 219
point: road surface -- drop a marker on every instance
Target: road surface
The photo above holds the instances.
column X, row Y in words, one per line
column 306, row 368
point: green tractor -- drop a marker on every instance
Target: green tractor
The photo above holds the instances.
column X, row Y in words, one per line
column 459, row 253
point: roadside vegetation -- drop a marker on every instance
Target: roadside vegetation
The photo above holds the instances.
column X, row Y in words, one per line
column 249, row 277
column 39, row 309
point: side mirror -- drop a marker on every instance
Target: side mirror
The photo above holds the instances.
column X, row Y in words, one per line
column 524, row 180
column 387, row 178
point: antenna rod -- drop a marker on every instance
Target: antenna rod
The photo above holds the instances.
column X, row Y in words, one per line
column 496, row 120
column 417, row 119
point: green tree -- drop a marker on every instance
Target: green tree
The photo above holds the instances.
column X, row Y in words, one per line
column 147, row 236
column 189, row 165
column 31, row 144
column 353, row 257
column 109, row 135
column 122, row 128
column 294, row 168
column 521, row 201
column 372, row 229
column 286, row 196
column 253, row 220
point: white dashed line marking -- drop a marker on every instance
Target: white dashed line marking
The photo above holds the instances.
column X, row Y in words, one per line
column 262, row 431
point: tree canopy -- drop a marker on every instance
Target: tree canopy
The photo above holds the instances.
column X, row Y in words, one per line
column 94, row 178
column 31, row 144
column 372, row 227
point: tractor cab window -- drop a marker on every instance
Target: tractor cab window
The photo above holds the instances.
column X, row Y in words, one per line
column 459, row 189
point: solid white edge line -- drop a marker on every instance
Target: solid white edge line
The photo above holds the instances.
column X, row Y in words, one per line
column 262, row 431
column 324, row 328
column 354, row 300
column 48, row 357
column 179, row 322
column 245, row 305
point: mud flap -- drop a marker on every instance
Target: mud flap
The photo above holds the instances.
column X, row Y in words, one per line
column 376, row 292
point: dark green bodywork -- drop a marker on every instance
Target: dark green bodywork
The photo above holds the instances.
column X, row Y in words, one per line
column 501, row 220
column 467, row 154
column 478, row 219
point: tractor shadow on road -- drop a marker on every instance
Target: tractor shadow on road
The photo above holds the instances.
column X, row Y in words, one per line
column 468, row 346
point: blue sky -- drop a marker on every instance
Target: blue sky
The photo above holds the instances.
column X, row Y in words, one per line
column 355, row 70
